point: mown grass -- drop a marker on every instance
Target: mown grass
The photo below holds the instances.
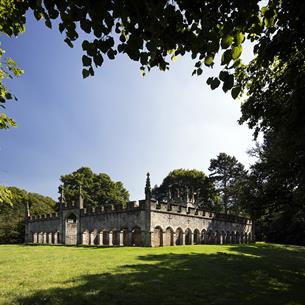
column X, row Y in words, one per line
column 204, row 274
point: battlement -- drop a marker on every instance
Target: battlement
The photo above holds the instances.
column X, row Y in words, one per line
column 43, row 217
column 171, row 208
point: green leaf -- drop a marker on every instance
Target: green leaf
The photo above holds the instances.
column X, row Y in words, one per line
column 228, row 83
column 223, row 75
column 208, row 61
column 235, row 92
column 226, row 57
column 98, row 59
column 226, row 41
column 236, row 51
column 239, row 38
column 68, row 42
column 199, row 71
column 85, row 25
column 86, row 60
column 85, row 73
column 215, row 83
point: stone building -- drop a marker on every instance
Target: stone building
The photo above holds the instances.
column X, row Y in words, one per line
column 140, row 223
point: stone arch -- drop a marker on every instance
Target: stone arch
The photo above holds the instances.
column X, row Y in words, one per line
column 50, row 238
column 44, row 238
column 237, row 237
column 218, row 237
column 116, row 237
column 246, row 238
column 106, row 237
column 94, row 238
column 125, row 236
column 157, row 237
column 179, row 237
column 71, row 229
column 136, row 236
column 71, row 218
column 203, row 236
column 168, row 237
column 188, row 236
column 233, row 237
column 210, row 237
column 196, row 237
column 228, row 238
column 85, row 237
column 35, row 238
column 223, row 237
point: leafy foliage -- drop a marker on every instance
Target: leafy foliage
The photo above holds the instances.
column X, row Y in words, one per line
column 97, row 189
column 5, row 195
column 229, row 175
column 181, row 183
column 12, row 213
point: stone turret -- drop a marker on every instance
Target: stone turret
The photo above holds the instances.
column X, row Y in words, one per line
column 147, row 187
column 80, row 201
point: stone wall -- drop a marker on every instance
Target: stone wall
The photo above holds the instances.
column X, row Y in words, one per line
column 175, row 224
column 142, row 223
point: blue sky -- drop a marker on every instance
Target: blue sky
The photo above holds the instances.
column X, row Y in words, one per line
column 115, row 122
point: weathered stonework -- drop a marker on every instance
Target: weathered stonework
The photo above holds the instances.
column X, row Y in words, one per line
column 141, row 223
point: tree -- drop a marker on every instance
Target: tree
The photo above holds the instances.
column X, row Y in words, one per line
column 97, row 189
column 229, row 176
column 12, row 215
column 274, row 197
column 153, row 32
column 180, row 183
column 5, row 195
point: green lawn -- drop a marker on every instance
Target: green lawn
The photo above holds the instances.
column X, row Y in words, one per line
column 207, row 274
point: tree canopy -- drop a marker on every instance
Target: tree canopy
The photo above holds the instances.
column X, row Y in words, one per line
column 182, row 183
column 97, row 189
column 12, row 213
column 229, row 176
column 154, row 32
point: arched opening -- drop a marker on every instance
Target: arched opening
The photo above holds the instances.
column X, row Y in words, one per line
column 188, row 237
column 85, row 237
column 210, row 237
column 237, row 237
column 116, row 237
column 246, row 238
column 217, row 237
column 179, row 237
column 106, row 238
column 125, row 236
column 228, row 237
column 196, row 237
column 157, row 240
column 223, row 237
column 71, row 218
column 136, row 238
column 71, row 229
column 233, row 238
column 50, row 238
column 169, row 237
column 35, row 238
column 93, row 238
column 203, row 236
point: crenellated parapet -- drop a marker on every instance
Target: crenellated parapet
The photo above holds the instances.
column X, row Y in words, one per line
column 177, row 209
column 43, row 217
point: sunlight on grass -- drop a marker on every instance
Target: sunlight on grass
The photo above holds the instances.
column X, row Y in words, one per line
column 217, row 274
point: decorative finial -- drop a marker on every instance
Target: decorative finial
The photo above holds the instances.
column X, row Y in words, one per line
column 27, row 209
column 169, row 193
column 81, row 198
column 62, row 194
column 147, row 186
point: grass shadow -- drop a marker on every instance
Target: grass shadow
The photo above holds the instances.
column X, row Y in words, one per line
column 263, row 274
